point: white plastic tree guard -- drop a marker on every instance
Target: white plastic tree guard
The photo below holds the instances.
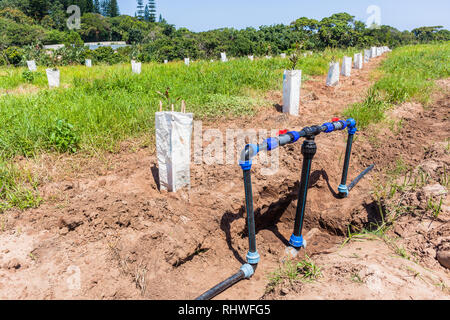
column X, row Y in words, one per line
column 53, row 77
column 347, row 67
column 292, row 82
column 251, row 58
column 358, row 61
column 268, row 57
column 186, row 61
column 166, row 61
column 173, row 145
column 379, row 52
column 136, row 67
column 333, row 75
column 223, row 57
column 373, row 52
column 88, row 63
column 32, row 65
column 283, row 56
column 366, row 56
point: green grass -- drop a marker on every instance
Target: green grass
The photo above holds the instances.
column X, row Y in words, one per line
column 407, row 75
column 305, row 270
column 108, row 104
column 17, row 188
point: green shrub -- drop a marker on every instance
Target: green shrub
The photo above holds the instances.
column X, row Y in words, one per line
column 28, row 76
column 63, row 137
column 14, row 55
column 106, row 55
column 54, row 37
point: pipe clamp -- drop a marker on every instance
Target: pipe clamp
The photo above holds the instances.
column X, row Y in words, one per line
column 253, row 257
column 296, row 242
column 248, row 270
column 343, row 190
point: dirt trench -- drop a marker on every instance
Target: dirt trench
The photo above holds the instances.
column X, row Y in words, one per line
column 107, row 232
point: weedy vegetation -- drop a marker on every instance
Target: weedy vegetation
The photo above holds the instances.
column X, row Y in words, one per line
column 305, row 270
column 405, row 76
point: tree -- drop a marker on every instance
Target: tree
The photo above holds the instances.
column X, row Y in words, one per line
column 152, row 10
column 97, row 7
column 146, row 14
column 113, row 9
column 89, row 6
column 104, row 7
column 38, row 9
column 425, row 34
column 140, row 9
column 58, row 15
column 94, row 28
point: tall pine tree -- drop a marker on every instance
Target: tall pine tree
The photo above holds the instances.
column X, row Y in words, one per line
column 97, row 7
column 38, row 8
column 146, row 14
column 140, row 12
column 113, row 9
column 89, row 6
column 104, row 7
column 152, row 10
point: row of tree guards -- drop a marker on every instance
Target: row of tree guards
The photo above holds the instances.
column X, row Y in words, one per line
column 53, row 74
column 174, row 129
column 292, row 78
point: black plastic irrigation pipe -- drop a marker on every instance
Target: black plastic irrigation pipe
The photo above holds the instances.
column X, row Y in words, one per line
column 252, row 255
column 343, row 189
column 245, row 272
column 358, row 178
column 309, row 149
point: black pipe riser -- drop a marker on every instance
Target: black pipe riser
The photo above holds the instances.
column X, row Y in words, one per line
column 309, row 149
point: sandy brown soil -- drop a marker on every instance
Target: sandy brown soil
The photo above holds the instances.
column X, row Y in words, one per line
column 109, row 223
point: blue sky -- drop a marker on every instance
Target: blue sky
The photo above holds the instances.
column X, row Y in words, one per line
column 202, row 15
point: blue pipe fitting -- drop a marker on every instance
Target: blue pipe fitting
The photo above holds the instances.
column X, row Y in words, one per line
column 245, row 165
column 344, row 124
column 351, row 123
column 330, row 127
column 248, row 271
column 352, row 130
column 296, row 242
column 296, row 135
column 253, row 257
column 343, row 190
column 272, row 144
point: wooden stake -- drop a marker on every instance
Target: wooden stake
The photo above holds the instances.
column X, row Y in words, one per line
column 160, row 106
column 173, row 108
column 183, row 106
